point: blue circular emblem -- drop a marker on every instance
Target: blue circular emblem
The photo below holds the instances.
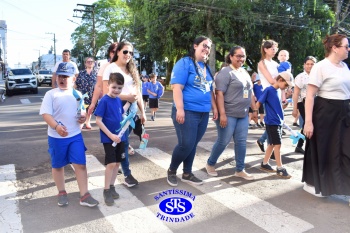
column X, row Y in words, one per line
column 175, row 206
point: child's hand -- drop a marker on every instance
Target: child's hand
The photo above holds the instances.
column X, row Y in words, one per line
column 115, row 138
column 62, row 130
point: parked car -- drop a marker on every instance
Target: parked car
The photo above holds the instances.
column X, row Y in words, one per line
column 44, row 77
column 20, row 79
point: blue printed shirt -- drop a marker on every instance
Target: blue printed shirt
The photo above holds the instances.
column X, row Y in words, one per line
column 197, row 90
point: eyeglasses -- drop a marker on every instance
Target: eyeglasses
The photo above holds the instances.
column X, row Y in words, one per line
column 126, row 52
column 239, row 56
column 89, row 61
column 206, row 46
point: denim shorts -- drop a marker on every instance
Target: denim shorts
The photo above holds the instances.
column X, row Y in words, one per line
column 64, row 151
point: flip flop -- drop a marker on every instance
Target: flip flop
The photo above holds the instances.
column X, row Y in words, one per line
column 131, row 150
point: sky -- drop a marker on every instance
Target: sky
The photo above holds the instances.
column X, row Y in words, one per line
column 29, row 21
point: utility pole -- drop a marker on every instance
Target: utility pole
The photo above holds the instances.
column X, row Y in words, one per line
column 89, row 9
column 54, row 44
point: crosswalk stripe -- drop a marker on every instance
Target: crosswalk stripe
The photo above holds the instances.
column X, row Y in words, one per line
column 128, row 214
column 258, row 211
column 25, row 101
column 10, row 218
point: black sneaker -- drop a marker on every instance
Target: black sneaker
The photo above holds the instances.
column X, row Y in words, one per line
column 259, row 126
column 262, row 124
column 260, row 145
column 266, row 167
column 62, row 198
column 152, row 118
column 88, row 200
column 299, row 150
column 114, row 193
column 191, row 179
column 283, row 132
column 107, row 195
column 273, row 156
column 171, row 178
column 296, row 124
column 283, row 173
column 130, row 181
column 250, row 126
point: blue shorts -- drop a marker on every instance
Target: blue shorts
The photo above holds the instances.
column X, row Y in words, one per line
column 64, row 151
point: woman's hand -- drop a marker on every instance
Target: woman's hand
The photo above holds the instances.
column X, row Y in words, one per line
column 308, row 129
column 180, row 116
column 131, row 98
column 295, row 112
column 223, row 120
column 215, row 114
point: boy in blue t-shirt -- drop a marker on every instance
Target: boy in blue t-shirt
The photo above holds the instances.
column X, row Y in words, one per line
column 108, row 117
column 274, row 120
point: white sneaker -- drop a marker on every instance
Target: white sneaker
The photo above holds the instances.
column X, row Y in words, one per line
column 211, row 170
column 243, row 174
column 311, row 189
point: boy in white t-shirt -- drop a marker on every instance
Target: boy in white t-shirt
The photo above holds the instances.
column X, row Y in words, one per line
column 60, row 110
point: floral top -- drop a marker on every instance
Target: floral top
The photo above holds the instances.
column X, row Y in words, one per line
column 85, row 84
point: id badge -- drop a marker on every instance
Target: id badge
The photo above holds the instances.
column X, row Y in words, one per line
column 245, row 94
column 207, row 87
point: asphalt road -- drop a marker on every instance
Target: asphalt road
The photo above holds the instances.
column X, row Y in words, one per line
column 222, row 204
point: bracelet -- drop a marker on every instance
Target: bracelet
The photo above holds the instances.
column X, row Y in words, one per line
column 56, row 126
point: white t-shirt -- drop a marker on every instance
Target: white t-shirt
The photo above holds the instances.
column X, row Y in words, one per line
column 62, row 105
column 301, row 81
column 333, row 82
column 72, row 62
column 128, row 88
column 272, row 69
column 102, row 68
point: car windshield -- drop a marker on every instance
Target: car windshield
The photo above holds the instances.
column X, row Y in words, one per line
column 20, row 72
column 45, row 72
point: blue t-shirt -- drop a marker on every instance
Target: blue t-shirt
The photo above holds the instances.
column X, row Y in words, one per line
column 258, row 89
column 284, row 66
column 155, row 88
column 274, row 112
column 144, row 88
column 111, row 110
column 196, row 91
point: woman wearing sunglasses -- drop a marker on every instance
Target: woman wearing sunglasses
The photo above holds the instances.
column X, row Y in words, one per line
column 122, row 62
column 191, row 81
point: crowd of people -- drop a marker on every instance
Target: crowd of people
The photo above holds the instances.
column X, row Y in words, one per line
column 320, row 96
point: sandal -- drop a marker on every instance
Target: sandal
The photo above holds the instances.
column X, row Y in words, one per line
column 131, row 150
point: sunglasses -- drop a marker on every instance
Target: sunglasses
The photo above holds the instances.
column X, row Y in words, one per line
column 126, row 52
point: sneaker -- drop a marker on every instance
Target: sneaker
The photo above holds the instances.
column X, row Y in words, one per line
column 283, row 132
column 62, row 198
column 282, row 172
column 311, row 189
column 259, row 126
column 299, row 150
column 211, row 170
column 171, row 178
column 262, row 124
column 152, row 118
column 114, row 193
column 130, row 181
column 88, row 200
column 107, row 195
column 191, row 179
column 260, row 145
column 296, row 124
column 273, row 156
column 250, row 126
column 266, row 167
column 243, row 174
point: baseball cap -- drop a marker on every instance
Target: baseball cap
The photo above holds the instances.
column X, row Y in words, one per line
column 288, row 77
column 65, row 68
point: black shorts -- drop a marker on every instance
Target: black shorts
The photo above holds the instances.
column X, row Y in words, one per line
column 274, row 134
column 261, row 109
column 153, row 103
column 145, row 98
column 114, row 154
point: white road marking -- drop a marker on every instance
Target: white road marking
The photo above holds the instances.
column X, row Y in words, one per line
column 25, row 101
column 128, row 214
column 245, row 204
column 10, row 218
